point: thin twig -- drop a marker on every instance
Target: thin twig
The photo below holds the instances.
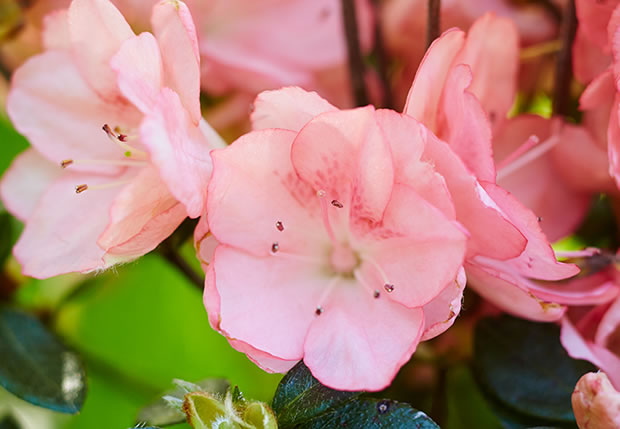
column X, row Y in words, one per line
column 564, row 66
column 356, row 62
column 433, row 21
column 382, row 59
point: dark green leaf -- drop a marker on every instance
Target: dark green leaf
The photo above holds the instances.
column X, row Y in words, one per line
column 524, row 366
column 9, row 423
column 37, row 367
column 12, row 143
column 6, row 235
column 160, row 413
column 302, row 402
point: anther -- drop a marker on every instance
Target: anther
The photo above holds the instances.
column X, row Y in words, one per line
column 337, row 203
column 539, row 218
column 320, row 193
column 319, row 310
column 66, row 162
column 81, row 188
column 376, row 294
column 388, row 288
column 280, row 226
column 275, row 247
column 122, row 137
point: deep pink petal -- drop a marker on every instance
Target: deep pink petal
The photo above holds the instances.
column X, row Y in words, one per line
column 140, row 71
column 359, row 342
column 61, row 115
column 593, row 18
column 143, row 214
column 180, row 150
column 608, row 327
column 25, row 182
column 474, row 208
column 175, row 32
column 425, row 93
column 505, row 292
column 613, row 140
column 273, row 308
column 418, row 254
column 97, row 31
column 254, row 183
column 289, row 108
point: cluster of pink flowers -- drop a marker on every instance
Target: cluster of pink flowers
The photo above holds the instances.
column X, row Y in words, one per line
column 340, row 237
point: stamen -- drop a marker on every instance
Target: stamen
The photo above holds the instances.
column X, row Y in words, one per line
column 276, row 251
column 328, row 290
column 387, row 285
column 337, row 203
column 279, row 226
column 319, row 310
column 358, row 276
column 545, row 48
column 376, row 294
column 325, row 215
column 275, row 247
column 83, row 187
column 389, row 288
column 121, row 140
column 121, row 162
column 529, row 143
column 528, row 157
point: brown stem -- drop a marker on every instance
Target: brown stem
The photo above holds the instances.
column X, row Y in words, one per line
column 564, row 66
column 356, row 62
column 432, row 21
column 382, row 59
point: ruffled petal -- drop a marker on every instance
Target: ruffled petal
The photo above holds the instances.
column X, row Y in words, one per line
column 441, row 312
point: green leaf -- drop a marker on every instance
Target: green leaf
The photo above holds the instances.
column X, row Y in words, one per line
column 302, row 402
column 6, row 235
column 524, row 366
column 8, row 423
column 260, row 416
column 161, row 413
column 12, row 143
column 36, row 367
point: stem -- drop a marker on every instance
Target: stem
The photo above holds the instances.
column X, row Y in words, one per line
column 564, row 66
column 382, row 60
column 356, row 62
column 172, row 255
column 432, row 21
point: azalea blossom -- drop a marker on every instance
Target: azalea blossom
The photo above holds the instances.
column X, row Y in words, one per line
column 319, row 256
column 119, row 114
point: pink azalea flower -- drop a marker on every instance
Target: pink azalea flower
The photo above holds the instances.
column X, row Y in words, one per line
column 596, row 403
column 265, row 44
column 139, row 177
column 319, row 257
column 453, row 96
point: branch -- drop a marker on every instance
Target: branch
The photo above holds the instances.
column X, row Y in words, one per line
column 382, row 59
column 173, row 256
column 356, row 62
column 564, row 66
column 433, row 21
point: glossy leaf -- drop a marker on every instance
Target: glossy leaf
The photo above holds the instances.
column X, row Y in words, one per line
column 523, row 365
column 36, row 367
column 302, row 402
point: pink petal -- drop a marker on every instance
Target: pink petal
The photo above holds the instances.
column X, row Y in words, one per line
column 143, row 214
column 492, row 52
column 589, row 60
column 25, row 182
column 359, row 342
column 608, row 326
column 590, row 290
column 55, row 32
column 613, row 141
column 345, row 154
column 61, row 115
column 424, row 95
column 180, row 150
column 254, row 183
column 600, row 91
column 140, row 71
column 97, row 31
column 441, row 312
column 61, row 235
column 418, row 254
column 272, row 309
column 474, row 209
column 593, row 17
column 538, row 260
column 288, row 108
column 505, row 292
column 464, row 125
column 175, row 32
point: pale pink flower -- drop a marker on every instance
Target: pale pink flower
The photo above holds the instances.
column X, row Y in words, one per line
column 454, row 93
column 319, row 255
column 596, row 403
column 139, row 177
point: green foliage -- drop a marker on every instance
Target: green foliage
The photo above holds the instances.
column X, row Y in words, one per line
column 11, row 143
column 302, row 402
column 524, row 368
column 37, row 367
column 8, row 423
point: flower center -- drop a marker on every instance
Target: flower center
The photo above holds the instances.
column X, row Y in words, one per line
column 343, row 260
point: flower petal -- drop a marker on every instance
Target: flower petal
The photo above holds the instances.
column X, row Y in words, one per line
column 26, row 181
column 441, row 312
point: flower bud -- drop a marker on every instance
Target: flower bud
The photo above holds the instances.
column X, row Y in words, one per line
column 596, row 403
